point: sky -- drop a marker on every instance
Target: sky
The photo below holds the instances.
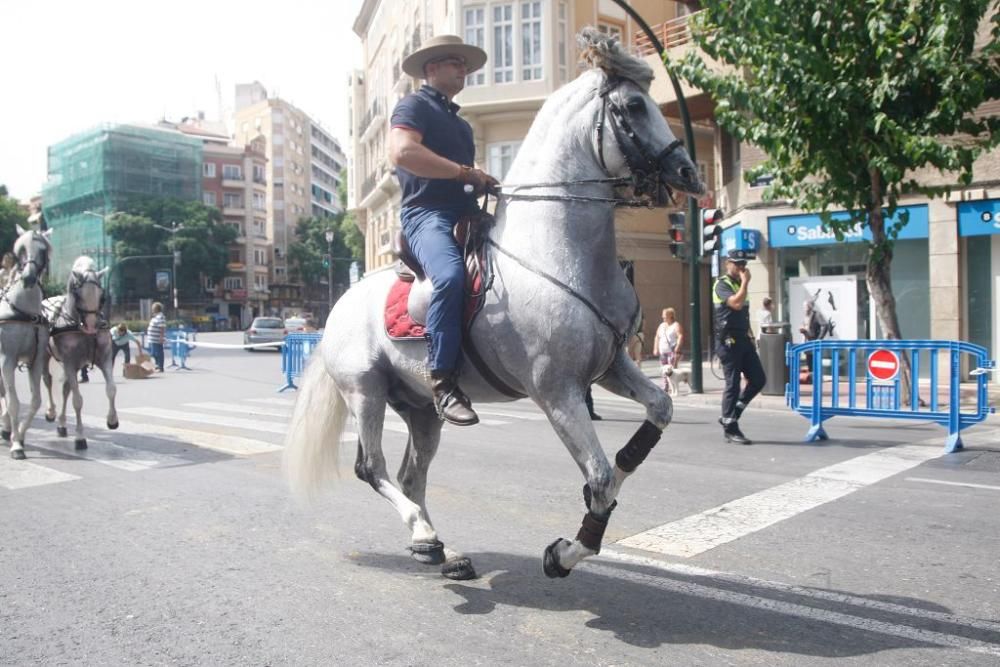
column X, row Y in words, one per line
column 68, row 65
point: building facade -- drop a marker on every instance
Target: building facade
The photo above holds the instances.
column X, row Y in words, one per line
column 234, row 180
column 532, row 51
column 300, row 181
column 93, row 173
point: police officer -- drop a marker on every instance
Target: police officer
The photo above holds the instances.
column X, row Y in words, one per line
column 433, row 150
column 734, row 344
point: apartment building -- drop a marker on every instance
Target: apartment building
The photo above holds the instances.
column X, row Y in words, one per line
column 532, row 52
column 326, row 171
column 234, row 180
column 946, row 267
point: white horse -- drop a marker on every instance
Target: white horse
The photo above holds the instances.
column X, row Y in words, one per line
column 24, row 333
column 79, row 337
column 555, row 319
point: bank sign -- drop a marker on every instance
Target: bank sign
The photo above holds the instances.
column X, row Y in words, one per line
column 979, row 218
column 789, row 231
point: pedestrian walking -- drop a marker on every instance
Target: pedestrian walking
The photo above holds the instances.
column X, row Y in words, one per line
column 765, row 315
column 734, row 345
column 667, row 346
column 156, row 335
column 120, row 338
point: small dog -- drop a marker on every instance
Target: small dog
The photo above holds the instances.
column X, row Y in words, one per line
column 673, row 377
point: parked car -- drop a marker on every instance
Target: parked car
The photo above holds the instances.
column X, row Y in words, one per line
column 265, row 330
column 295, row 324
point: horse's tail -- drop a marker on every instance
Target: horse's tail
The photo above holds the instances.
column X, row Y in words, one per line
column 312, row 444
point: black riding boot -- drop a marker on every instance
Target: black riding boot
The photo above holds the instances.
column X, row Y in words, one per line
column 452, row 404
column 733, row 433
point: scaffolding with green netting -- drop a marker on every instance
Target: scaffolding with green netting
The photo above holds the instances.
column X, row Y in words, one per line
column 93, row 173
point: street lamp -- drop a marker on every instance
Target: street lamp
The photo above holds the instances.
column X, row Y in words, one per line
column 329, row 270
column 173, row 229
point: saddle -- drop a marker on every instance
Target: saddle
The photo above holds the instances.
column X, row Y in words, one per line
column 409, row 297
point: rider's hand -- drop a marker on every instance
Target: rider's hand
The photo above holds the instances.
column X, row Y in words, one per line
column 479, row 180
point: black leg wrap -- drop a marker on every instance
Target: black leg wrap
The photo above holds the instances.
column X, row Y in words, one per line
column 635, row 452
column 592, row 531
column 588, row 495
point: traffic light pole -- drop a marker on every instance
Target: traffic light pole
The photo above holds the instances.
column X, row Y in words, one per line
column 694, row 217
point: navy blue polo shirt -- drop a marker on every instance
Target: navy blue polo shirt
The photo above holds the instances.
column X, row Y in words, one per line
column 430, row 113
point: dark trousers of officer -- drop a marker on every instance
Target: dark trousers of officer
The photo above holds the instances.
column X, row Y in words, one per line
column 738, row 359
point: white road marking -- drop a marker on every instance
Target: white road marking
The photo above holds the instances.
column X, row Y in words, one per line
column 242, row 409
column 107, row 453
column 940, row 481
column 706, row 530
column 706, row 590
column 199, row 418
column 229, row 444
column 24, row 474
column 273, row 401
column 529, row 416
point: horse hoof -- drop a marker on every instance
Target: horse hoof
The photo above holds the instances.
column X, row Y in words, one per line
column 17, row 454
column 50, row 418
column 113, row 426
column 80, row 443
column 5, row 435
column 428, row 553
column 550, row 562
column 61, row 430
column 459, row 569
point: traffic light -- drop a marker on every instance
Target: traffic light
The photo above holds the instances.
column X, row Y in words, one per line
column 326, row 261
column 711, row 231
column 676, row 231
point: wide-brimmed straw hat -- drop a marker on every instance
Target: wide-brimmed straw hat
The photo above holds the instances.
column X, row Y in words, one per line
column 442, row 46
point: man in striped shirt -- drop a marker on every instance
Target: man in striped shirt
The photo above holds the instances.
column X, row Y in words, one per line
column 156, row 335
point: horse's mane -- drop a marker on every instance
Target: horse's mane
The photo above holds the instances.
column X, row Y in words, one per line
column 604, row 52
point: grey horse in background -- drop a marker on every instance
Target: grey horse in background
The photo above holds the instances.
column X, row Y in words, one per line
column 79, row 337
column 24, row 333
column 555, row 319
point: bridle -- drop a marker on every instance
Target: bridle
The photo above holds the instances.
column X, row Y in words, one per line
column 79, row 280
column 643, row 165
column 24, row 260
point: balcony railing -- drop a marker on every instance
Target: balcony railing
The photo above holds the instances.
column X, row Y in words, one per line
column 673, row 33
column 373, row 112
column 373, row 179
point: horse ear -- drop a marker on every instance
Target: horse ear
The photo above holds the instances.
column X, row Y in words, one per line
column 100, row 274
column 20, row 230
column 47, row 233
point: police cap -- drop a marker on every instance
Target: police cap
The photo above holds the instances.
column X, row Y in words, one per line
column 740, row 256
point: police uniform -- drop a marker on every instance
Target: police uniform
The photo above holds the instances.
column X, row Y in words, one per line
column 737, row 354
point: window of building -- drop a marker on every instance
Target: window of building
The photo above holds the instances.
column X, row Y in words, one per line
column 258, row 173
column 232, row 200
column 259, row 227
column 561, row 32
column 259, row 256
column 209, row 284
column 208, row 169
column 260, row 282
column 501, row 156
column 209, row 198
column 232, row 172
column 609, row 27
column 233, row 283
column 238, row 226
column 258, row 201
column 531, row 41
column 235, row 256
column 503, row 43
column 475, row 34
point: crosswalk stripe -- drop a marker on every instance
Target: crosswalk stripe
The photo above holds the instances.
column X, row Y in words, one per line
column 273, row 401
column 106, row 453
column 528, row 416
column 24, row 474
column 228, row 444
column 240, row 408
column 200, row 418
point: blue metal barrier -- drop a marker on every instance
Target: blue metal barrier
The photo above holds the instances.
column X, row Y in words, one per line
column 294, row 354
column 881, row 368
column 179, row 349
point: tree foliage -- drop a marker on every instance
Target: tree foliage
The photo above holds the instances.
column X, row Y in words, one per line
column 306, row 253
column 850, row 99
column 203, row 239
column 11, row 215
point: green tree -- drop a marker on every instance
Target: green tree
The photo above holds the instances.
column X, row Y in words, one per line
column 203, row 240
column 11, row 215
column 306, row 253
column 850, row 99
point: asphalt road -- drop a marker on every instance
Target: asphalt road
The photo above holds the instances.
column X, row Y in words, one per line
column 174, row 541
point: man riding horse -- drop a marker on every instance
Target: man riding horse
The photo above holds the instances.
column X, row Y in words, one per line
column 433, row 151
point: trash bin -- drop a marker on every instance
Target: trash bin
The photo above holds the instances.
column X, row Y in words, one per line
column 773, row 338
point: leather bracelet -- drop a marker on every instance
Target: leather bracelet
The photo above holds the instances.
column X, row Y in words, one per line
column 463, row 173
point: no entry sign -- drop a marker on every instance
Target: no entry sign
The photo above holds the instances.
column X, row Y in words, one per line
column 883, row 365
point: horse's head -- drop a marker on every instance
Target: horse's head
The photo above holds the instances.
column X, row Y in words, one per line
column 632, row 138
column 31, row 250
column 85, row 294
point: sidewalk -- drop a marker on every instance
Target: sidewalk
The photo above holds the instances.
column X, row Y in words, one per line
column 713, row 387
